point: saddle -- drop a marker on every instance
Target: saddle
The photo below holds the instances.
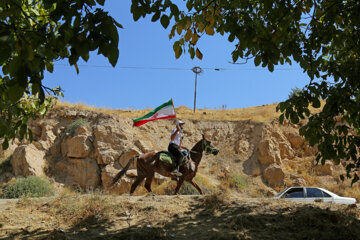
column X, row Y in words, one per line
column 168, row 158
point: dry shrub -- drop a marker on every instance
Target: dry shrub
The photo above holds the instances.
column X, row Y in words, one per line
column 215, row 201
column 80, row 210
column 345, row 189
column 239, row 182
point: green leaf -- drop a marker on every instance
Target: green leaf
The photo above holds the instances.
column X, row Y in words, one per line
column 15, row 92
column 192, row 52
column 41, row 95
column 342, row 177
column 5, row 144
column 294, row 118
column 281, row 118
column 76, row 68
column 174, row 9
column 155, row 17
column 235, row 56
column 49, row 66
column 355, row 179
column 283, row 105
column 209, row 30
column 199, row 55
column 101, row 2
column 114, row 56
column 271, row 67
column 257, row 60
column 316, row 103
column 164, row 20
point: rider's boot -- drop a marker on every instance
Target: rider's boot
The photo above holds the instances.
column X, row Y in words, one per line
column 176, row 171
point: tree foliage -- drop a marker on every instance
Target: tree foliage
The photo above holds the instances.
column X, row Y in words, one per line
column 34, row 34
column 322, row 36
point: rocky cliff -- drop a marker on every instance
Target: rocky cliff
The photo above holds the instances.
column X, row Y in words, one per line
column 85, row 149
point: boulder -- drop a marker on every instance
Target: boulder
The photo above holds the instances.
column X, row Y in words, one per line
column 143, row 145
column 126, row 156
column 27, row 160
column 82, row 172
column 296, row 141
column 105, row 154
column 274, row 176
column 76, row 147
column 297, row 181
column 107, row 175
column 286, row 152
column 268, row 153
column 121, row 186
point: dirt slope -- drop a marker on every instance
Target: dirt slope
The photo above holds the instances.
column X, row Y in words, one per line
column 175, row 217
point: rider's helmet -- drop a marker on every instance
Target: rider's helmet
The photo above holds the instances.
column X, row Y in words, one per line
column 179, row 122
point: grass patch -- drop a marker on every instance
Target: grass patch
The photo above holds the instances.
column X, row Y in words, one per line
column 28, row 187
column 236, row 181
column 76, row 123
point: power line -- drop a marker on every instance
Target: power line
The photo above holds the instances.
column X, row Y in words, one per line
column 179, row 69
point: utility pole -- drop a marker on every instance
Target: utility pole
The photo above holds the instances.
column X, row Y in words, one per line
column 196, row 70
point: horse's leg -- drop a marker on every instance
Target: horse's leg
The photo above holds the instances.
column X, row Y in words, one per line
column 179, row 184
column 136, row 183
column 148, row 181
column 192, row 181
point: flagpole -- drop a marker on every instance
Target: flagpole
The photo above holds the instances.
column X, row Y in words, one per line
column 172, row 101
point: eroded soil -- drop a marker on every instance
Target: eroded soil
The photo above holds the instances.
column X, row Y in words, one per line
column 174, row 217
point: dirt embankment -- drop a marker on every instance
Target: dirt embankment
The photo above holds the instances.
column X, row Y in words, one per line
column 174, row 217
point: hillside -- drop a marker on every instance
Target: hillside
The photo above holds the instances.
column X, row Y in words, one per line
column 80, row 149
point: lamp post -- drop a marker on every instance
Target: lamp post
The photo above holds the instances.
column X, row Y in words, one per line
column 196, row 70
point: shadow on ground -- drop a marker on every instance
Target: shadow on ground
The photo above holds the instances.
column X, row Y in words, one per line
column 210, row 218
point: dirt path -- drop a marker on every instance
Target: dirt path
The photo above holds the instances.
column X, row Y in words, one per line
column 174, row 217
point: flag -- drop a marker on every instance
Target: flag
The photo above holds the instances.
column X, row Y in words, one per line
column 164, row 111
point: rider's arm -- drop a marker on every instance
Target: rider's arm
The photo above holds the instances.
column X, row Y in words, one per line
column 183, row 147
column 173, row 134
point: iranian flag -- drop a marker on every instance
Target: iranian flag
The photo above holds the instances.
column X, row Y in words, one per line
column 164, row 111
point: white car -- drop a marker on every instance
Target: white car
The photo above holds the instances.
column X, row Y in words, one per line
column 312, row 194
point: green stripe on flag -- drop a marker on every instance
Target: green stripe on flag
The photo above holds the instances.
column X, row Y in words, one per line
column 168, row 103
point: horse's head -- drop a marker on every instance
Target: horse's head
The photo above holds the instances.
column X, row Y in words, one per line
column 208, row 148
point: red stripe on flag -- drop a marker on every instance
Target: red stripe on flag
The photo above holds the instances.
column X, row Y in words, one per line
column 141, row 122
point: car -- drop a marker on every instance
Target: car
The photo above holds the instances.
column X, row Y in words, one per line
column 312, row 194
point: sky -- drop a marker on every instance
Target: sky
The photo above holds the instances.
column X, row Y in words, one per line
column 147, row 73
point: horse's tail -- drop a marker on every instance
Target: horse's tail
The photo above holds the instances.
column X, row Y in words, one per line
column 123, row 171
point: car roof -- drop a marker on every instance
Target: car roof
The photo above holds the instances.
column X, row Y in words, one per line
column 327, row 191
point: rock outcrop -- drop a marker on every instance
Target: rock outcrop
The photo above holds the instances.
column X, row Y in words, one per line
column 86, row 149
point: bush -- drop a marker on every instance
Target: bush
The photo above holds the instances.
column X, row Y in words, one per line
column 28, row 187
column 238, row 182
column 75, row 124
column 295, row 92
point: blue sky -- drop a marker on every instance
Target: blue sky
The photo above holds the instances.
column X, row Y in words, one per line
column 143, row 77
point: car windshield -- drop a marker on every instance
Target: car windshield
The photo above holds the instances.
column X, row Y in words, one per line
column 277, row 195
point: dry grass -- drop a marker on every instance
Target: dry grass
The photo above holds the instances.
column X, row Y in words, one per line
column 80, row 211
column 168, row 186
column 264, row 113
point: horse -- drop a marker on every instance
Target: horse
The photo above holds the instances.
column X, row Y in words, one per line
column 149, row 163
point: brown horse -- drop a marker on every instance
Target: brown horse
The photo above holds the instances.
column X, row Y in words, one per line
column 149, row 163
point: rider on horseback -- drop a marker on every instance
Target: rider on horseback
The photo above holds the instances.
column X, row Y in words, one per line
column 175, row 145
